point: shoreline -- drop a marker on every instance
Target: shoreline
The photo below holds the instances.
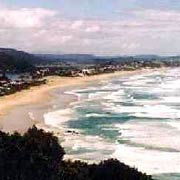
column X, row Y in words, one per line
column 42, row 94
column 68, row 136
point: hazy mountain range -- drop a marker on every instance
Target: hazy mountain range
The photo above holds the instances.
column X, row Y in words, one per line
column 14, row 59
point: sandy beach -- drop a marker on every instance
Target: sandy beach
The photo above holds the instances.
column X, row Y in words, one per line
column 41, row 94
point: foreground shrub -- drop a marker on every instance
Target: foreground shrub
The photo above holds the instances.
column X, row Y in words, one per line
column 115, row 170
column 37, row 155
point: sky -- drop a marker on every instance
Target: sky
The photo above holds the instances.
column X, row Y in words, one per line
column 100, row 27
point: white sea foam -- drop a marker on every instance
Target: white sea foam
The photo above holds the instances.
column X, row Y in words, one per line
column 141, row 83
column 146, row 111
column 149, row 161
column 151, row 138
column 110, row 87
column 171, row 84
column 57, row 118
column 159, row 91
column 172, row 99
column 96, row 115
column 154, row 134
column 115, row 96
column 92, row 148
column 151, row 143
column 97, row 95
column 174, row 124
column 74, row 93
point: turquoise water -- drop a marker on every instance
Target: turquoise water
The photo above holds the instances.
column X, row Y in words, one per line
column 134, row 118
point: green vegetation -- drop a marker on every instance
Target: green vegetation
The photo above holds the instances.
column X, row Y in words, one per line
column 12, row 63
column 37, row 155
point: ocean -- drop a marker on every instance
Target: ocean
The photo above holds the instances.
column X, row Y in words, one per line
column 135, row 119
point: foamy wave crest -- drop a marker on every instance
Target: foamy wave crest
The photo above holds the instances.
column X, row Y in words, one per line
column 57, row 118
column 96, row 115
column 150, row 134
column 91, row 148
column 74, row 93
column 148, row 161
column 171, row 99
column 146, row 111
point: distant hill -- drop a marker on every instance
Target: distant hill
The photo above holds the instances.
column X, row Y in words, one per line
column 147, row 57
column 13, row 60
column 92, row 59
column 67, row 58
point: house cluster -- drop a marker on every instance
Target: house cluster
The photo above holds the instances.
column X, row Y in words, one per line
column 70, row 71
column 82, row 72
column 10, row 85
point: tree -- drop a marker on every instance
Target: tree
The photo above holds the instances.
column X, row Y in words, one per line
column 113, row 169
column 35, row 155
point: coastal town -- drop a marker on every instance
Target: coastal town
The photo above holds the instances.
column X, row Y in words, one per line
column 10, row 85
column 12, row 82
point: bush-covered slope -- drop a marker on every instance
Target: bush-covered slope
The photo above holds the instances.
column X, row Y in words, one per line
column 37, row 155
column 13, row 60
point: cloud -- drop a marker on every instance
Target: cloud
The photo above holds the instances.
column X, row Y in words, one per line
column 24, row 18
column 95, row 28
column 77, row 24
column 137, row 31
column 158, row 15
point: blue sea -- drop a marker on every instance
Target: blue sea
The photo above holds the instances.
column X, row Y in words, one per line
column 135, row 118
